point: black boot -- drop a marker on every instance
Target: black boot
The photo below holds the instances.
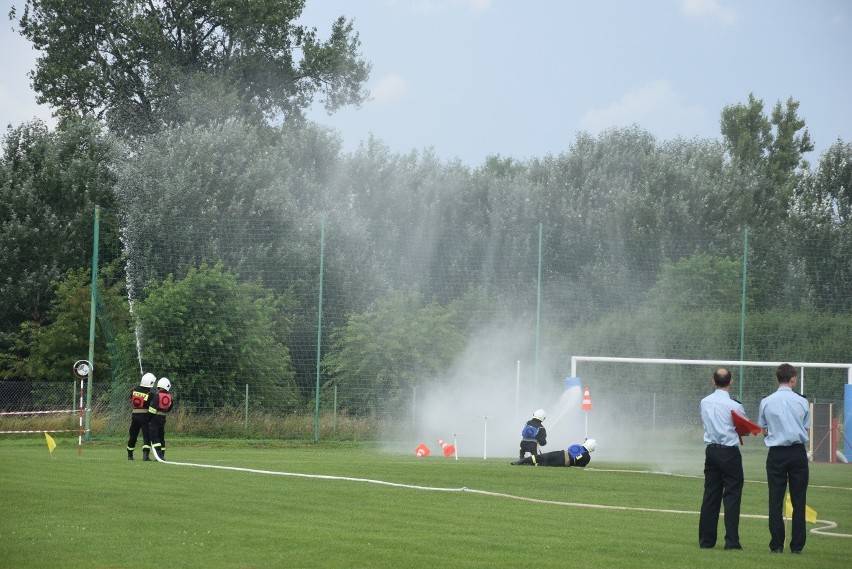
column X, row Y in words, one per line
column 163, row 454
column 129, row 454
column 146, row 455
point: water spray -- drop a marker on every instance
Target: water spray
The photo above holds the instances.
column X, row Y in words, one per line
column 570, row 398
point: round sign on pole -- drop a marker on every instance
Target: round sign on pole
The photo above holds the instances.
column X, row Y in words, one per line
column 82, row 369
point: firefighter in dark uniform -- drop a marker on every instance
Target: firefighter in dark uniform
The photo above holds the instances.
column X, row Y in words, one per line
column 533, row 434
column 139, row 417
column 161, row 404
column 723, row 464
column 785, row 417
column 575, row 455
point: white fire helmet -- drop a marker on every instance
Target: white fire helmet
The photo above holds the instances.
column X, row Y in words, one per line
column 164, row 383
column 590, row 444
column 148, row 380
column 540, row 415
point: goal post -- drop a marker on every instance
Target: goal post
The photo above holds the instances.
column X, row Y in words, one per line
column 847, row 405
column 727, row 363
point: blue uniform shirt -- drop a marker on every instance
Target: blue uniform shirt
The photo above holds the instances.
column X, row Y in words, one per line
column 787, row 417
column 716, row 415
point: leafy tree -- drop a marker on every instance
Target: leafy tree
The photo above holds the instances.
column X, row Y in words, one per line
column 767, row 157
column 211, row 187
column 143, row 65
column 211, row 335
column 822, row 219
column 770, row 150
column 46, row 352
column 381, row 353
column 828, row 196
column 414, row 208
column 682, row 209
column 699, row 282
column 596, row 240
column 746, row 131
column 50, row 182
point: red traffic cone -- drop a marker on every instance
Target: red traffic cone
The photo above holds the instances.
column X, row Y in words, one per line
column 422, row 450
column 449, row 450
column 587, row 400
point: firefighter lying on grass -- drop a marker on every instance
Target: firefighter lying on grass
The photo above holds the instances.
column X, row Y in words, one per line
column 575, row 455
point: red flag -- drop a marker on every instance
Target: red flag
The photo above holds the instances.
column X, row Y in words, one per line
column 744, row 426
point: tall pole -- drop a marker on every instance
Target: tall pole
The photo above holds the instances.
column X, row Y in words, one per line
column 538, row 311
column 319, row 327
column 743, row 312
column 847, row 412
column 92, row 316
column 80, row 428
column 485, row 438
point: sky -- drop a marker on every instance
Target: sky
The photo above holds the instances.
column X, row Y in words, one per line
column 473, row 78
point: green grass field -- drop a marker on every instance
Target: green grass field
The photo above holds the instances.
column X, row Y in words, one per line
column 99, row 510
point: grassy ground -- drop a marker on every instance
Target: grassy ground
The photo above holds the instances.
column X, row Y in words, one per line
column 100, row 510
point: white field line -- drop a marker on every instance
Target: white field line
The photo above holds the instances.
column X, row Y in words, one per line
column 661, row 473
column 827, row 524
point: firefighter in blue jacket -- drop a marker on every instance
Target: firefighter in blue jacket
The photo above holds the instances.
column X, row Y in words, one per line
column 533, row 434
column 140, row 397
column 161, row 404
column 575, row 455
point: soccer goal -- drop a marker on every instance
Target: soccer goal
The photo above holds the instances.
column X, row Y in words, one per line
column 734, row 364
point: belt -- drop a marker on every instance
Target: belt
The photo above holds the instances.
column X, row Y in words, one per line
column 717, row 445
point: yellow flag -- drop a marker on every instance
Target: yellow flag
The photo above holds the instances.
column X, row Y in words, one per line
column 810, row 513
column 51, row 444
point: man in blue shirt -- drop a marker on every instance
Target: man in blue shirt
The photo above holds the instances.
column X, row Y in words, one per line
column 723, row 464
column 785, row 418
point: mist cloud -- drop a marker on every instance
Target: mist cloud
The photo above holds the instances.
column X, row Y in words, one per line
column 709, row 10
column 655, row 105
column 389, row 89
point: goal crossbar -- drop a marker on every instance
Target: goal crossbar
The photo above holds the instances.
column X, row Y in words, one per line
column 727, row 363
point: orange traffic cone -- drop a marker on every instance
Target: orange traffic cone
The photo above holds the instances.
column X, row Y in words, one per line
column 587, row 400
column 449, row 449
column 422, row 450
